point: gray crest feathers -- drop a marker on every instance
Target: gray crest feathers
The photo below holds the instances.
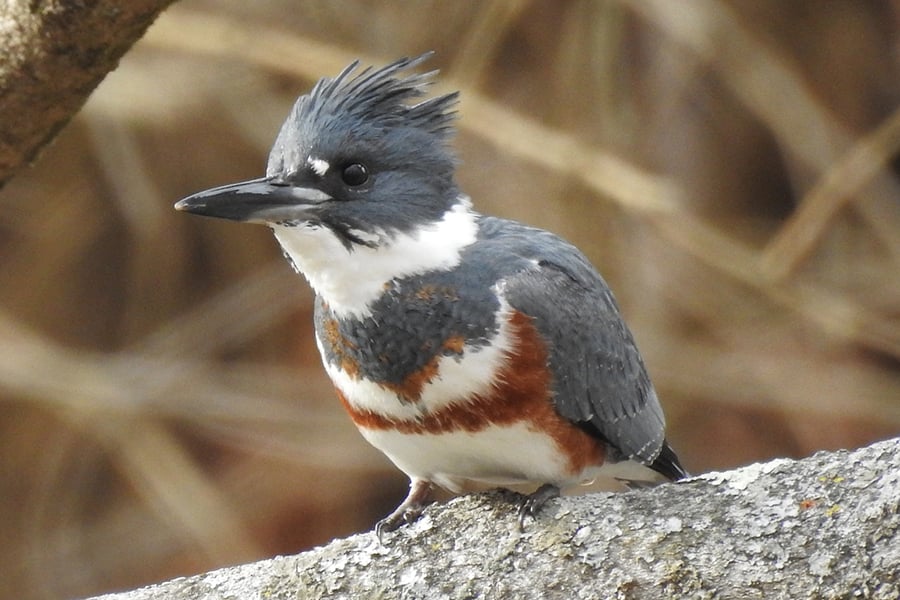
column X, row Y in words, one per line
column 381, row 98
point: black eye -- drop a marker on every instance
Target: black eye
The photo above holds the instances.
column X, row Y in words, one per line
column 355, row 174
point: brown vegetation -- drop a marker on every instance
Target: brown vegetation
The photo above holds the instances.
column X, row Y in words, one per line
column 729, row 166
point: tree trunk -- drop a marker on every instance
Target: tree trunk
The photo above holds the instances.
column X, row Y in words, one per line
column 55, row 52
column 823, row 527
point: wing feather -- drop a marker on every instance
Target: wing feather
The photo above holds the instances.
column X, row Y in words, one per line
column 600, row 380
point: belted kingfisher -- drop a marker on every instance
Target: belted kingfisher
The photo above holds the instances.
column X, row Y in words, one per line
column 466, row 348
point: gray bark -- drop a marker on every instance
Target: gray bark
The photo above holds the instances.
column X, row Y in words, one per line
column 823, row 527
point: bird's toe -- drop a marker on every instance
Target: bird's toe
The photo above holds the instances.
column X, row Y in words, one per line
column 532, row 504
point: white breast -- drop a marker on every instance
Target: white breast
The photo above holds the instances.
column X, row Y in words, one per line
column 349, row 281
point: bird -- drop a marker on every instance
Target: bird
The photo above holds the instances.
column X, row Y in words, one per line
column 469, row 349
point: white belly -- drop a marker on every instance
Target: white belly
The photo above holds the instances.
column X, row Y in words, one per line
column 497, row 455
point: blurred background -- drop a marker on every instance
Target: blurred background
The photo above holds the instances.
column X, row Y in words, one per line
column 729, row 166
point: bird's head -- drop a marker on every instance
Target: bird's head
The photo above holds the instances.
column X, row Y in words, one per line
column 359, row 187
column 355, row 156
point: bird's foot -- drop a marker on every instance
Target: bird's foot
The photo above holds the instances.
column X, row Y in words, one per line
column 533, row 503
column 409, row 510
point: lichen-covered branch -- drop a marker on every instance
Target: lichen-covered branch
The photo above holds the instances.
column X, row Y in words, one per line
column 54, row 53
column 823, row 527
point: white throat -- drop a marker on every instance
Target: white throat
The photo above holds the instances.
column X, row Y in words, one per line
column 351, row 280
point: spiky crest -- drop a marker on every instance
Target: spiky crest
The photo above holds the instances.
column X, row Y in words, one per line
column 380, row 98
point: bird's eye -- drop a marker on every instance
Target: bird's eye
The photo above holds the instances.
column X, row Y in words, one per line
column 355, row 174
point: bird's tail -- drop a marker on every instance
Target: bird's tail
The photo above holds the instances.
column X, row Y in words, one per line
column 668, row 465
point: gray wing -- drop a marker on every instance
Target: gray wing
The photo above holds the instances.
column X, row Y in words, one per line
column 599, row 377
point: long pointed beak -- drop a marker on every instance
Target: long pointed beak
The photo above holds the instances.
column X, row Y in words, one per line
column 255, row 201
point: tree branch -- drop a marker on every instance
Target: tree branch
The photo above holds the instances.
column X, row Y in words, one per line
column 823, row 527
column 55, row 52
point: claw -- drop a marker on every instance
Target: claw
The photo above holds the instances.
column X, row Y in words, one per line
column 409, row 510
column 397, row 518
column 533, row 503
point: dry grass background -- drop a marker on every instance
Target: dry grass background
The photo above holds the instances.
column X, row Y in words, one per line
column 730, row 167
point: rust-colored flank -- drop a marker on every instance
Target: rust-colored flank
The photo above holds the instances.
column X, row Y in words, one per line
column 521, row 393
column 339, row 345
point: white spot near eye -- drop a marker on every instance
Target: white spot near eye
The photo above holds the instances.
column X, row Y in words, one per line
column 318, row 165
